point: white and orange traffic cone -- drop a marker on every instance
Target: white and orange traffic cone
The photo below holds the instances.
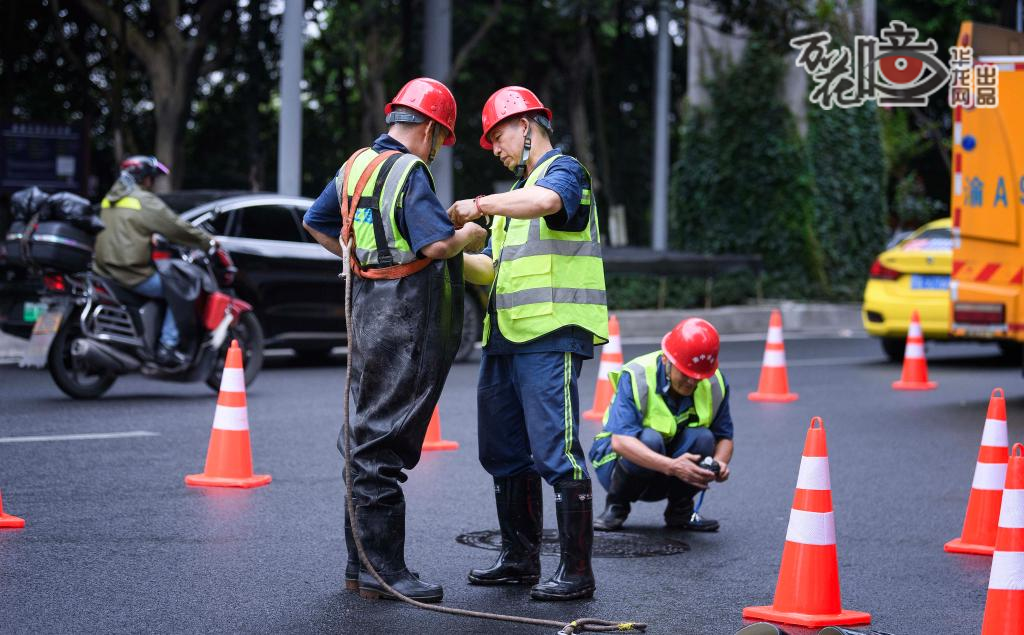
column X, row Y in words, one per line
column 229, row 456
column 807, row 592
column 915, row 367
column 8, row 521
column 1004, row 606
column 774, row 383
column 433, row 440
column 611, row 360
column 982, row 518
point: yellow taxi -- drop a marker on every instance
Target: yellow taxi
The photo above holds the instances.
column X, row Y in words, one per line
column 913, row 274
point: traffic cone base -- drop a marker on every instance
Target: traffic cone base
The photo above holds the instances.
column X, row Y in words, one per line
column 202, row 480
column 914, row 385
column 843, row 618
column 433, row 440
column 11, row 522
column 957, row 545
column 8, row 521
column 773, row 397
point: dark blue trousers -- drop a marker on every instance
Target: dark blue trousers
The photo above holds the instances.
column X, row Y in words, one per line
column 694, row 440
column 528, row 416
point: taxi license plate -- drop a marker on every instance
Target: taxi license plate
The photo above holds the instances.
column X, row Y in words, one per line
column 925, row 281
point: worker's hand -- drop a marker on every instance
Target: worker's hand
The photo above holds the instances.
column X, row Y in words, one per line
column 685, row 469
column 462, row 212
column 477, row 237
column 723, row 471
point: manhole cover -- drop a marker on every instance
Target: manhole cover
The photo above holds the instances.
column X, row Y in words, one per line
column 621, row 544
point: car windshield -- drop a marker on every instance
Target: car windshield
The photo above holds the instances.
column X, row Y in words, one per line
column 935, row 239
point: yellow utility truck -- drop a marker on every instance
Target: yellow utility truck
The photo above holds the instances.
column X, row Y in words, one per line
column 987, row 203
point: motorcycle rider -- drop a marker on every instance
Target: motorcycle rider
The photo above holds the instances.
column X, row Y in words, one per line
column 131, row 214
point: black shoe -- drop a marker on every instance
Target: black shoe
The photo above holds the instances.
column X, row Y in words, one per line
column 623, row 489
column 170, row 357
column 520, row 516
column 679, row 514
column 574, row 578
column 382, row 529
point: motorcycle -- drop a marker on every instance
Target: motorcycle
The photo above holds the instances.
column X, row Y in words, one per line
column 94, row 330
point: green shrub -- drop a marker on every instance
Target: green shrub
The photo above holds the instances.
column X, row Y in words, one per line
column 743, row 184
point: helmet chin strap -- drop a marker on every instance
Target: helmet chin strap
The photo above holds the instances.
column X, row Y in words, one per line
column 521, row 168
column 433, row 144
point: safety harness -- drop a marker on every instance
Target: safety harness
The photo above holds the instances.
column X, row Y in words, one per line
column 386, row 269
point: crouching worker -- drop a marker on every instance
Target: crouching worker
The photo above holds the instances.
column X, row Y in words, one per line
column 670, row 411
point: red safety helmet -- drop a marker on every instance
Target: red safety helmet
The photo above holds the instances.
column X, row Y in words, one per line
column 692, row 347
column 510, row 101
column 431, row 98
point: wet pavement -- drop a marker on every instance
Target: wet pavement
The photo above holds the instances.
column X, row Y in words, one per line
column 116, row 542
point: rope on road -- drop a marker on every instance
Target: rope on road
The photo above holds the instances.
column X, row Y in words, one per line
column 581, row 625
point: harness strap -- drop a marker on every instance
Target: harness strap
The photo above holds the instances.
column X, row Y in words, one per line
column 348, row 205
column 384, row 258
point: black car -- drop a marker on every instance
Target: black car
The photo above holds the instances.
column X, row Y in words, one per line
column 291, row 281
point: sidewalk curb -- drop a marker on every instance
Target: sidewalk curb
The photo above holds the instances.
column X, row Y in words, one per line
column 827, row 319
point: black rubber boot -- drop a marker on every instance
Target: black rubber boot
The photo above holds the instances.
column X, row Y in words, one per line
column 623, row 489
column 382, row 529
column 521, row 518
column 679, row 512
column 574, row 578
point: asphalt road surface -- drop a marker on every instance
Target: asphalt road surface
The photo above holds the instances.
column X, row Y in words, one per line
column 116, row 542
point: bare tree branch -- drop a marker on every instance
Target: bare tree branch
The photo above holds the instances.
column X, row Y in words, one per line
column 463, row 55
column 208, row 21
column 116, row 23
column 73, row 58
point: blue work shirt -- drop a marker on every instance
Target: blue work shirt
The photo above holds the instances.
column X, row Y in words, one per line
column 626, row 419
column 426, row 223
column 565, row 177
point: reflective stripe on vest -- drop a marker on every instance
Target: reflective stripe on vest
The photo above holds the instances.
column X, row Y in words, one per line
column 127, row 202
column 548, row 279
column 643, row 372
column 383, row 203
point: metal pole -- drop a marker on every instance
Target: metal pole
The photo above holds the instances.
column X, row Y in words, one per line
column 1020, row 16
column 659, row 187
column 289, row 131
column 437, row 60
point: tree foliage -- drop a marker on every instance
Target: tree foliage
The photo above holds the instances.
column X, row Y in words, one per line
column 743, row 183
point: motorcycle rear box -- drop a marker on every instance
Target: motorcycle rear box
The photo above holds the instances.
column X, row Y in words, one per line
column 61, row 246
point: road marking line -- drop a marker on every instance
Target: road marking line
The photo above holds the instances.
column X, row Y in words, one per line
column 81, row 437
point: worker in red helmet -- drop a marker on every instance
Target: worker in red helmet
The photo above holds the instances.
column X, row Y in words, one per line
column 667, row 433
column 546, row 312
column 406, row 316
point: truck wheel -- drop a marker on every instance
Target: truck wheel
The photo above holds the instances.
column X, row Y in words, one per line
column 894, row 348
column 74, row 381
